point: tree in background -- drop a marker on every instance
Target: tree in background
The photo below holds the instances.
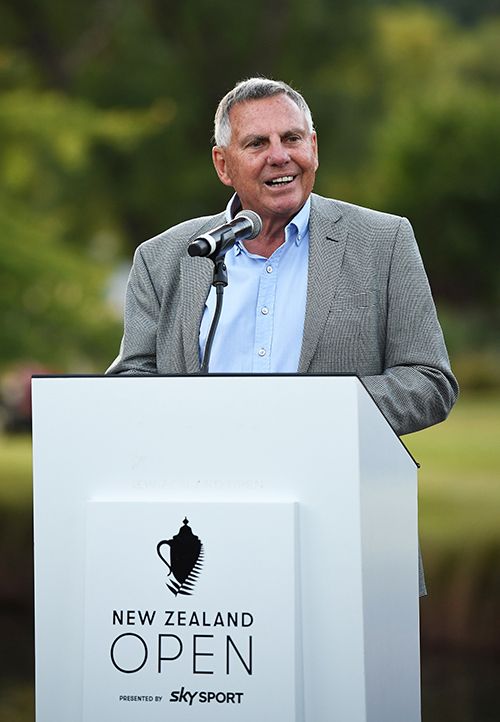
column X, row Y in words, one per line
column 434, row 156
column 58, row 228
column 61, row 222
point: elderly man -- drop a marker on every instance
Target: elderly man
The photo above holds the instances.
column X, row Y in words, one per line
column 326, row 287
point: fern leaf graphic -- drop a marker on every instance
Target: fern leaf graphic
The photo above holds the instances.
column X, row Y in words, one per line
column 188, row 585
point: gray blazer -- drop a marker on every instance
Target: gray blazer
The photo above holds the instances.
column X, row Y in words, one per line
column 369, row 310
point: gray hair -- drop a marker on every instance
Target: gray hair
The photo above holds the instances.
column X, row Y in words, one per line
column 253, row 89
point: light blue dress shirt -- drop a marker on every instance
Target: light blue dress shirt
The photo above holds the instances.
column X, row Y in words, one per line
column 262, row 321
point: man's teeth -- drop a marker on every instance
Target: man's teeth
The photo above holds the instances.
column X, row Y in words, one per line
column 280, row 181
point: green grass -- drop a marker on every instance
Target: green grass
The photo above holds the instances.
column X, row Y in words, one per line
column 17, row 702
column 459, row 479
column 15, row 470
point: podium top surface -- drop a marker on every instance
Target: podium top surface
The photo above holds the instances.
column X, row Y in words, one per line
column 234, row 381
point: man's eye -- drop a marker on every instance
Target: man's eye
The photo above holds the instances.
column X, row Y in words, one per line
column 256, row 144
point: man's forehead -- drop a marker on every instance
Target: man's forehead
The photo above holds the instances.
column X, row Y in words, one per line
column 255, row 117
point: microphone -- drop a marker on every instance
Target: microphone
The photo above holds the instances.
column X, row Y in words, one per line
column 245, row 225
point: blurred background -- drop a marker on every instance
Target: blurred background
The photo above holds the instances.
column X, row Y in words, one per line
column 106, row 111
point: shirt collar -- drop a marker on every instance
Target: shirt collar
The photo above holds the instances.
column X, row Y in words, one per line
column 233, row 207
column 295, row 230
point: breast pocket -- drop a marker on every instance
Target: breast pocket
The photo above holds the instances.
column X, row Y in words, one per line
column 356, row 300
column 353, row 334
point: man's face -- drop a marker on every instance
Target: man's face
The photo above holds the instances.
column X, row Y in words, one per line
column 272, row 158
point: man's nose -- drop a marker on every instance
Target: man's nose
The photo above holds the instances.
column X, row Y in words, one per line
column 277, row 154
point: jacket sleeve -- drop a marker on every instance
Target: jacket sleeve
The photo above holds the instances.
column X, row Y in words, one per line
column 417, row 388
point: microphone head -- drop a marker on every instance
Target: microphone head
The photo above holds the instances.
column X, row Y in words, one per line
column 254, row 219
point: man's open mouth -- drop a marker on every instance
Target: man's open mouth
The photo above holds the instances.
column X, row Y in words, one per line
column 283, row 181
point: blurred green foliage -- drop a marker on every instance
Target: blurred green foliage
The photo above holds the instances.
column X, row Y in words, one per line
column 106, row 110
column 435, row 150
column 58, row 230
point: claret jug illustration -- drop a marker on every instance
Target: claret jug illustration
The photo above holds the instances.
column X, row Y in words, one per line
column 185, row 562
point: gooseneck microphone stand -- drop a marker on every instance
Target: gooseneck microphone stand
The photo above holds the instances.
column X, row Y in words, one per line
column 220, row 282
column 214, row 245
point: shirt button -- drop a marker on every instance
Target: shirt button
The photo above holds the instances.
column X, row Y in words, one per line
column 265, row 311
column 269, row 269
column 262, row 352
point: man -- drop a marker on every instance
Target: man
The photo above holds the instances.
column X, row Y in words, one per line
column 326, row 287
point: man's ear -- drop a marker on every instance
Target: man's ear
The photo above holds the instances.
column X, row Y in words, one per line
column 315, row 146
column 219, row 159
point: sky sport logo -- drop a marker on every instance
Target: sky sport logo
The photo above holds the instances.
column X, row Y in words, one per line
column 183, row 695
column 185, row 560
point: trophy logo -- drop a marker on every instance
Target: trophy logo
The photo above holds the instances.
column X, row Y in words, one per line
column 184, row 561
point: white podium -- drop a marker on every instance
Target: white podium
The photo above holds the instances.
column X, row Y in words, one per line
column 214, row 548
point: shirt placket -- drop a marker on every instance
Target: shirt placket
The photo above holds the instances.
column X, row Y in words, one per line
column 264, row 314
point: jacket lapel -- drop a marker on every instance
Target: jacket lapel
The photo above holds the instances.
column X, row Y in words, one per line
column 196, row 279
column 327, row 240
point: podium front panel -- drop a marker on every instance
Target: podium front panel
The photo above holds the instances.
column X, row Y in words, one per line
column 296, row 442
